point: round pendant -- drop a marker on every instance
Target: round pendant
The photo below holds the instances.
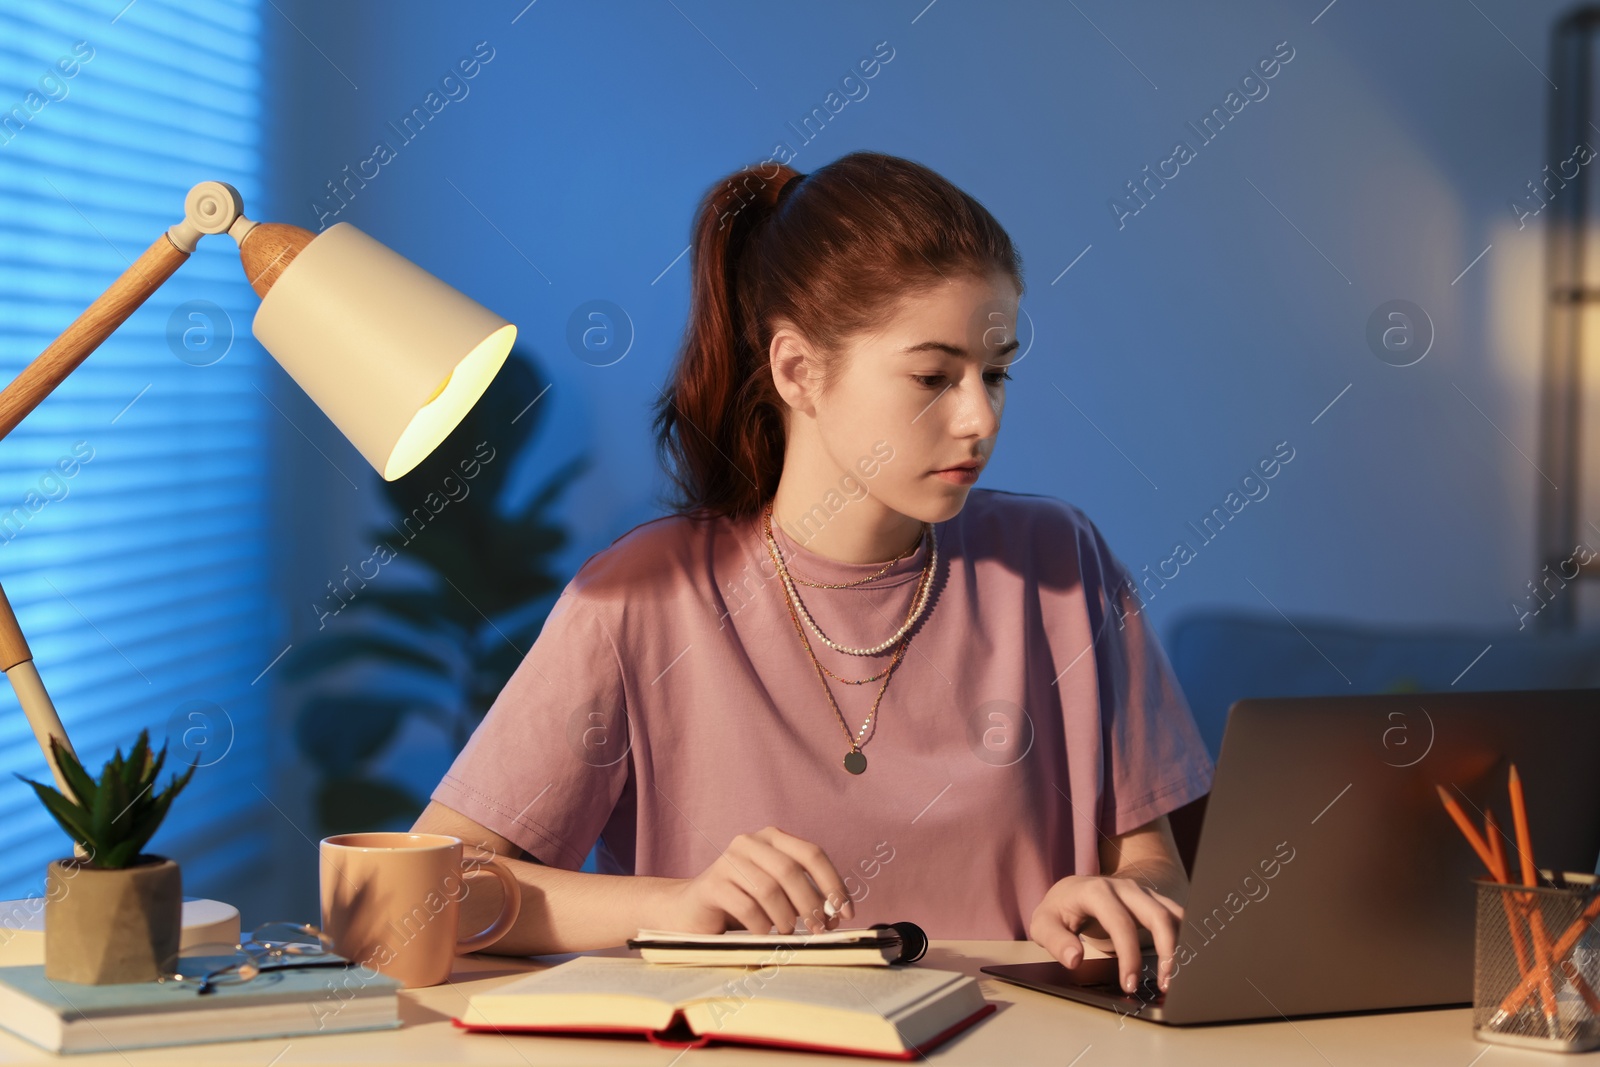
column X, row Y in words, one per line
column 855, row 761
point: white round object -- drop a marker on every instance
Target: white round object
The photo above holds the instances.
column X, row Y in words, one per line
column 22, row 927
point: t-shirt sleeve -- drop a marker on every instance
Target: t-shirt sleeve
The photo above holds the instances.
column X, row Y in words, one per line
column 546, row 766
column 1155, row 759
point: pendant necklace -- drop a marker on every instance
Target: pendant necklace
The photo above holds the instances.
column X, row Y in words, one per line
column 855, row 761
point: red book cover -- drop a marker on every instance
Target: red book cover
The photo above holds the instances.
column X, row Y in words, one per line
column 678, row 1035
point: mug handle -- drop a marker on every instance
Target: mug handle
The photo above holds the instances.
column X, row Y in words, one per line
column 509, row 910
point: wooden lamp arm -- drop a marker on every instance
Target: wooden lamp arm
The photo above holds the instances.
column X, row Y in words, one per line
column 210, row 207
column 98, row 321
column 37, row 381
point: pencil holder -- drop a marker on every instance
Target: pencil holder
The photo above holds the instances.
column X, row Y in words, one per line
column 1536, row 967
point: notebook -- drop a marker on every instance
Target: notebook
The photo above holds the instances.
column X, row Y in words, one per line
column 893, row 1013
column 70, row 1017
column 874, row 947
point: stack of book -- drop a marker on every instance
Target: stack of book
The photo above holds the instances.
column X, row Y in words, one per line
column 69, row 1017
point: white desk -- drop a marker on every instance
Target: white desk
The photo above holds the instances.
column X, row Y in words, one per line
column 1029, row 1028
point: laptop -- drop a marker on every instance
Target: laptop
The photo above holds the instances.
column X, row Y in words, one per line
column 1328, row 877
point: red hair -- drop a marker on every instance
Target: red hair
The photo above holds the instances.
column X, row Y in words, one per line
column 832, row 256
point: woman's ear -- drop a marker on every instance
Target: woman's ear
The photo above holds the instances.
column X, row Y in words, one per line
column 794, row 366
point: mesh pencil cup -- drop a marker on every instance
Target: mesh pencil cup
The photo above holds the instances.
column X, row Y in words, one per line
column 1536, row 966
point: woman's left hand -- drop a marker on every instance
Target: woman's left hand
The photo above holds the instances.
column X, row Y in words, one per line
column 1119, row 907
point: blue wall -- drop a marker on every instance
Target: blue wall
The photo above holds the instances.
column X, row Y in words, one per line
column 1182, row 346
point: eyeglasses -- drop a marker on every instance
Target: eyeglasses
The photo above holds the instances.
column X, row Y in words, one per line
column 274, row 946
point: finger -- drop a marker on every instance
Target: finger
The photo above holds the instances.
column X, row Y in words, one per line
column 824, row 878
column 804, row 895
column 1049, row 930
column 762, row 886
column 830, row 910
column 1161, row 923
column 1120, row 926
column 1150, row 887
column 1167, row 902
column 738, row 904
column 821, row 876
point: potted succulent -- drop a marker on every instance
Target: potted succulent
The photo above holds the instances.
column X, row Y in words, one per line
column 114, row 914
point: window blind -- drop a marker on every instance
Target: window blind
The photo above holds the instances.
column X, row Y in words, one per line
column 140, row 578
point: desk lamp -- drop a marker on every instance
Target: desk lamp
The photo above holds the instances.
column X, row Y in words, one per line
column 391, row 354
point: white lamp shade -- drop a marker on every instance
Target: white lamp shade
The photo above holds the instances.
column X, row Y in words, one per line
column 394, row 356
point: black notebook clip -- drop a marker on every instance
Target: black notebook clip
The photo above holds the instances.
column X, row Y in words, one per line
column 913, row 942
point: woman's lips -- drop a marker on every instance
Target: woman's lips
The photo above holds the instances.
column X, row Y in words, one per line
column 958, row 475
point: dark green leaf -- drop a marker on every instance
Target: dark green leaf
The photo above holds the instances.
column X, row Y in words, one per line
column 69, row 816
column 153, row 771
column 420, row 608
column 557, row 483
column 335, row 650
column 109, row 799
column 118, row 855
column 176, row 783
column 83, row 787
column 351, row 804
column 338, row 732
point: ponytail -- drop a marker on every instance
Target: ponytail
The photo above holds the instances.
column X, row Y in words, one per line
column 827, row 253
column 719, row 423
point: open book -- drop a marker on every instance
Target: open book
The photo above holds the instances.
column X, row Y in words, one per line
column 872, row 1011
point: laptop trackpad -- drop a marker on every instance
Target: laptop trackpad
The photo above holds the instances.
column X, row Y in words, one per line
column 1100, row 972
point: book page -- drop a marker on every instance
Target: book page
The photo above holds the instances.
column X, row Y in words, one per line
column 588, row 975
column 869, row 990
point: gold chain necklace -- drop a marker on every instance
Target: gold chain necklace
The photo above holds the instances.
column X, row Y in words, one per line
column 859, row 581
column 918, row 604
column 845, row 585
column 855, row 761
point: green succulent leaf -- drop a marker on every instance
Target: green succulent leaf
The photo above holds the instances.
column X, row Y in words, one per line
column 83, row 787
column 114, row 816
column 121, row 854
column 108, row 800
column 72, row 818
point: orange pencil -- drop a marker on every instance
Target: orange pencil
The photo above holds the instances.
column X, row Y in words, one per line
column 1468, row 831
column 1501, row 875
column 1497, row 871
column 1491, row 830
column 1541, row 940
column 1519, row 819
column 1575, row 930
column 1493, row 858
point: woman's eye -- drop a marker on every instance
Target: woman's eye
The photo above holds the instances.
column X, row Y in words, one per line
column 932, row 381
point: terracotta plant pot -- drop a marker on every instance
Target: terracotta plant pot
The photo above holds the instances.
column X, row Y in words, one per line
column 105, row 926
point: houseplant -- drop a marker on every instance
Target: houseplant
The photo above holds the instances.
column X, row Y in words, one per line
column 114, row 914
column 438, row 645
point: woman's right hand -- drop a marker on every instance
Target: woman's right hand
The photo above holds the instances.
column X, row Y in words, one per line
column 760, row 882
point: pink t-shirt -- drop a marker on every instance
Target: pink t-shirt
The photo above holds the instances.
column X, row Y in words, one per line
column 668, row 706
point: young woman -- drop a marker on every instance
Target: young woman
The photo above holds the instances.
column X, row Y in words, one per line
column 838, row 677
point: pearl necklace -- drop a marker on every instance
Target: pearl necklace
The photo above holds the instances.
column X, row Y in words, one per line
column 855, row 761
column 794, row 596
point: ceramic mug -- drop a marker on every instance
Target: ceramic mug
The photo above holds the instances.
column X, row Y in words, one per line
column 391, row 902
